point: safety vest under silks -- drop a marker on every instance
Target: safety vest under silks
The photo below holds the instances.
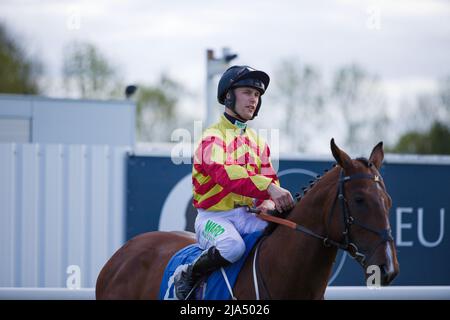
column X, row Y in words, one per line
column 232, row 167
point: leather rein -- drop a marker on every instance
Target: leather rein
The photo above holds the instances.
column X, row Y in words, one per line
column 348, row 219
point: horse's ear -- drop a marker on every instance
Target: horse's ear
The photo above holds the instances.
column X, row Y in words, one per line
column 341, row 157
column 377, row 155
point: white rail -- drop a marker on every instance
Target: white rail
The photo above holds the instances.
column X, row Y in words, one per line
column 389, row 293
column 332, row 293
column 46, row 294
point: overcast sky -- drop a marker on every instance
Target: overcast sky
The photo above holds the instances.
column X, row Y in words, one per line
column 406, row 43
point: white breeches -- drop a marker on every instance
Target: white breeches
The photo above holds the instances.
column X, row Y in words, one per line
column 223, row 229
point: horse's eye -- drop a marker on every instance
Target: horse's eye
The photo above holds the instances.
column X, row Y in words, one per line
column 359, row 200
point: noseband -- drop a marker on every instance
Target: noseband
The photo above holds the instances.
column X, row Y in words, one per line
column 348, row 245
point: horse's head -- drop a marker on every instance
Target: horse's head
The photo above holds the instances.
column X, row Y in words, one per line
column 359, row 217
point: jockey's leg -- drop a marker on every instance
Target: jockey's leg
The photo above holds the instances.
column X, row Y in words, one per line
column 222, row 243
column 249, row 223
column 219, row 229
column 205, row 264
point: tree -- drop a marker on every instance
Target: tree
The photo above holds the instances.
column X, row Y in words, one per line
column 429, row 124
column 434, row 141
column 359, row 97
column 156, row 109
column 88, row 74
column 18, row 73
column 299, row 90
column 444, row 97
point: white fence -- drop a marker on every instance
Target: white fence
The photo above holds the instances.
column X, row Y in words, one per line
column 332, row 293
column 60, row 205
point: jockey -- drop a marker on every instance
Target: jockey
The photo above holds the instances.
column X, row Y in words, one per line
column 232, row 169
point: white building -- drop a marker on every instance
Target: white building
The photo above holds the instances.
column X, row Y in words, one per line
column 62, row 168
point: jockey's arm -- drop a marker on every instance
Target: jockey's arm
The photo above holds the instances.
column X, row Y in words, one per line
column 211, row 159
column 237, row 179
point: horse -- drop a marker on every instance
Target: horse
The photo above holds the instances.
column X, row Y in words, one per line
column 346, row 208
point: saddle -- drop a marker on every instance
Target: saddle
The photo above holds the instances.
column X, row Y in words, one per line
column 214, row 287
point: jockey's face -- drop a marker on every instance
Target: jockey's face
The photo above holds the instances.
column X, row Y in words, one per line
column 246, row 101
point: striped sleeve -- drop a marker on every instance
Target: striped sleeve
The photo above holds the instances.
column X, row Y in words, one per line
column 211, row 159
column 266, row 165
column 267, row 169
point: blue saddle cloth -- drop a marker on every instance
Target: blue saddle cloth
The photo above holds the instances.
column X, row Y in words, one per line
column 215, row 287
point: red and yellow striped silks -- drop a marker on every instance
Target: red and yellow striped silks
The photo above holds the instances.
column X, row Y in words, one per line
column 231, row 169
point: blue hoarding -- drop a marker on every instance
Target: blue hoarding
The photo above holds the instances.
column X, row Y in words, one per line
column 159, row 197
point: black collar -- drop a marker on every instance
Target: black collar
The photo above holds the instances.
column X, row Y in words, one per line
column 238, row 123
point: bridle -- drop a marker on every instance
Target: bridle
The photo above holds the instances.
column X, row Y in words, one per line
column 347, row 244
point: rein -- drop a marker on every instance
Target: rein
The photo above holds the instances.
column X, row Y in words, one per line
column 349, row 220
column 290, row 224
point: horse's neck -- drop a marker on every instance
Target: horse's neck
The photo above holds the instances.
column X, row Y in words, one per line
column 296, row 265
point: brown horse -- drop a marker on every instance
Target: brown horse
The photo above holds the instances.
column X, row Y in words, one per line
column 347, row 208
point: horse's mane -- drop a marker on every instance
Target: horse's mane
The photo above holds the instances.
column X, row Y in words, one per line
column 298, row 196
column 272, row 226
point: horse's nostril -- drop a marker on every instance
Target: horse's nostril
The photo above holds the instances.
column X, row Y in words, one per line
column 386, row 275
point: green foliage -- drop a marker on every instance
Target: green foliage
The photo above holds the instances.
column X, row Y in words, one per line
column 433, row 110
column 156, row 109
column 87, row 73
column 18, row 73
column 444, row 93
column 354, row 98
column 434, row 141
column 298, row 88
column 360, row 99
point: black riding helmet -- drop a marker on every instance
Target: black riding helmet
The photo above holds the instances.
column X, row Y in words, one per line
column 241, row 76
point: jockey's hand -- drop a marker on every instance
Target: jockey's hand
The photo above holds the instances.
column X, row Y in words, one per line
column 266, row 206
column 281, row 197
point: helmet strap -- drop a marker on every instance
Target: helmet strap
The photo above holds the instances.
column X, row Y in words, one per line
column 230, row 103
